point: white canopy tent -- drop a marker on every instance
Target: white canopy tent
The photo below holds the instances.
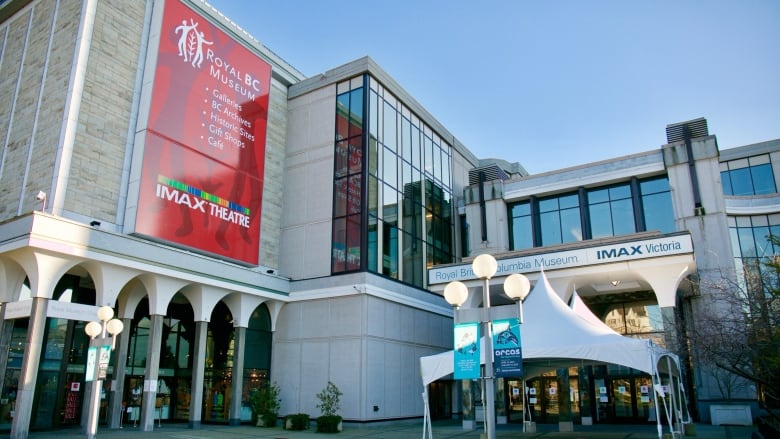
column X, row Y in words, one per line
column 553, row 335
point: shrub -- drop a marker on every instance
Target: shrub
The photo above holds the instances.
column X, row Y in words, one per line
column 330, row 400
column 328, row 424
column 299, row 421
column 330, row 403
column 265, row 403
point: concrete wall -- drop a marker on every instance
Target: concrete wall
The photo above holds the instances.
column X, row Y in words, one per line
column 308, row 188
column 38, row 43
column 368, row 346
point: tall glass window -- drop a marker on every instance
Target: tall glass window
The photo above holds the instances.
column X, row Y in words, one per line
column 752, row 248
column 522, row 226
column 611, row 211
column 749, row 176
column 559, row 219
column 409, row 195
column 348, row 179
column 657, row 204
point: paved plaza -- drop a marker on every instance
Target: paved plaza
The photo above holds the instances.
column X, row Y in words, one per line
column 441, row 430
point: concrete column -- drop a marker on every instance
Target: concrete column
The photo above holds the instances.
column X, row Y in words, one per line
column 237, row 382
column 669, row 318
column 151, row 374
column 198, row 374
column 20, row 427
column 116, row 404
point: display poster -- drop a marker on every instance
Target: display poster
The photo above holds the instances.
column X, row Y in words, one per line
column 202, row 173
column 507, row 348
column 89, row 373
column 467, row 351
column 104, row 358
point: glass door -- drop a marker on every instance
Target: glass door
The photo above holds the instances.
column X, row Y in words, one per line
column 622, row 399
column 514, row 400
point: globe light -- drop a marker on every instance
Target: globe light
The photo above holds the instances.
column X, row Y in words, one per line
column 517, row 286
column 105, row 313
column 456, row 293
column 93, row 329
column 484, row 266
column 115, row 326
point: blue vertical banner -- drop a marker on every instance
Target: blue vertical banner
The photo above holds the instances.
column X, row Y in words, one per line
column 507, row 348
column 466, row 352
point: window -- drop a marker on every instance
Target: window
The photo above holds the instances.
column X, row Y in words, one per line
column 408, row 197
column 348, row 178
column 752, row 248
column 522, row 226
column 749, row 176
column 559, row 219
column 657, row 204
column 611, row 211
column 618, row 209
column 639, row 319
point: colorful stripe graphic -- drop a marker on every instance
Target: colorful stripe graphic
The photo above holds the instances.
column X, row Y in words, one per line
column 202, row 194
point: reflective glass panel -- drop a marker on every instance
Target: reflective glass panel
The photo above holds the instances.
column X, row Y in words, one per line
column 763, row 179
column 741, row 182
column 342, row 154
column 623, row 217
column 389, row 128
column 356, row 113
column 657, row 209
column 600, row 220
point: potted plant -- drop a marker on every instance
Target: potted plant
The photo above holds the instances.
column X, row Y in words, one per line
column 330, row 403
column 265, row 403
column 299, row 421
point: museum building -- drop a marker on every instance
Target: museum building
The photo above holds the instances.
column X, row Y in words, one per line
column 250, row 225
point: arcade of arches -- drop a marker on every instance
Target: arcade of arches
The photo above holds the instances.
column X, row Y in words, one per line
column 154, row 374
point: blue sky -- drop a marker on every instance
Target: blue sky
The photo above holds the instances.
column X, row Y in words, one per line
column 549, row 84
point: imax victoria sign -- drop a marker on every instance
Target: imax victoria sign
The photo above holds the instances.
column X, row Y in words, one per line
column 619, row 252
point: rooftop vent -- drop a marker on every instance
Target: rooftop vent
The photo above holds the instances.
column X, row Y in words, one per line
column 492, row 172
column 687, row 130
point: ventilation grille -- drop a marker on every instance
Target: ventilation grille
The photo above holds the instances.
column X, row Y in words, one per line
column 687, row 130
column 492, row 172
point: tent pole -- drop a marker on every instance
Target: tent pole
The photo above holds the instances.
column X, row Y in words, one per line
column 672, row 405
column 525, row 402
column 656, row 378
column 427, row 427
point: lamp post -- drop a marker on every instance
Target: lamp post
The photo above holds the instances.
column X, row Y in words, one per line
column 456, row 293
column 97, row 359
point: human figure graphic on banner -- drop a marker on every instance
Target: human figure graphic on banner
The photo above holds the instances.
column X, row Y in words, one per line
column 197, row 60
column 185, row 32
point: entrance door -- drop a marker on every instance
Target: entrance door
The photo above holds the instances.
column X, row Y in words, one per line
column 622, row 399
column 514, row 399
column 439, row 400
column 543, row 397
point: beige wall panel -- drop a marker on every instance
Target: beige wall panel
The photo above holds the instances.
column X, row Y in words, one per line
column 101, row 140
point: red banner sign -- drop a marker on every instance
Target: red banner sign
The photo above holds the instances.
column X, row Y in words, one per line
column 202, row 176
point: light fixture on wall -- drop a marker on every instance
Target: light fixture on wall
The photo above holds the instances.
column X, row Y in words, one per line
column 42, row 198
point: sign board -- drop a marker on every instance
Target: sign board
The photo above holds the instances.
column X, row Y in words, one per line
column 507, row 348
column 202, row 171
column 625, row 251
column 467, row 351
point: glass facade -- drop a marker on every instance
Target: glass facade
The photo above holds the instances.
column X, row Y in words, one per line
column 386, row 155
column 618, row 209
column 748, row 176
column 752, row 248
